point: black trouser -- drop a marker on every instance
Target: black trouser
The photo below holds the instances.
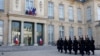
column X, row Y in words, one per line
column 75, row 52
column 61, row 49
column 70, row 51
column 92, row 52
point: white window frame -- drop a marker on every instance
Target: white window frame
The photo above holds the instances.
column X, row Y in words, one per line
column 79, row 14
column 71, row 13
column 90, row 32
column 61, row 32
column 61, row 11
column 79, row 31
column 71, row 32
column 98, row 11
column 29, row 4
column 89, row 14
column 50, row 10
column 50, row 34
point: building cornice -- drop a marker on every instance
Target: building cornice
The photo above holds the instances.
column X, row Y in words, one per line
column 28, row 16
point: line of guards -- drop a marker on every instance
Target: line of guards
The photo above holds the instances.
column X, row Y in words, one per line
column 84, row 46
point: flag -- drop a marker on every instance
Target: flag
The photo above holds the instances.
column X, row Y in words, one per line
column 30, row 12
column 34, row 11
column 26, row 12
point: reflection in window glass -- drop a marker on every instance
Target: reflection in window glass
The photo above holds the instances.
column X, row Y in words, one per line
column 16, row 32
column 28, row 36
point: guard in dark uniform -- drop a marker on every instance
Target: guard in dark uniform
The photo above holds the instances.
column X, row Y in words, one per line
column 75, row 45
column 92, row 48
column 70, row 45
column 87, row 44
column 79, row 44
column 82, row 46
column 65, row 45
column 61, row 45
column 58, row 45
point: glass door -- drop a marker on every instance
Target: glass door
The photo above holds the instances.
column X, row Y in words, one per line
column 16, row 33
column 28, row 34
column 40, row 34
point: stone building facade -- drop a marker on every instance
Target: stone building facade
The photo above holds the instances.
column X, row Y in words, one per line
column 48, row 20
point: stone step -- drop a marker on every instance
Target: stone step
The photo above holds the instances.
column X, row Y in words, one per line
column 24, row 48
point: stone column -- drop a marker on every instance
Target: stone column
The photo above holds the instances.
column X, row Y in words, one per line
column 45, row 34
column 22, row 33
column 35, row 34
column 9, row 38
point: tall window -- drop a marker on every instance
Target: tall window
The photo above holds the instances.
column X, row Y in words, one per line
column 1, row 32
column 51, row 34
column 16, row 31
column 71, row 14
column 71, row 32
column 1, row 5
column 98, row 13
column 79, row 31
column 89, row 15
column 79, row 15
column 61, row 12
column 89, row 32
column 29, row 4
column 50, row 10
column 61, row 32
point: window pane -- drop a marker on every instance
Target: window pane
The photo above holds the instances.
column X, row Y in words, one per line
column 51, row 34
column 98, row 13
column 79, row 31
column 61, row 32
column 1, row 27
column 61, row 11
column 71, row 32
column 1, row 4
column 89, row 33
column 79, row 15
column 1, row 40
column 16, row 31
column 88, row 13
column 50, row 9
column 71, row 13
column 29, row 4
